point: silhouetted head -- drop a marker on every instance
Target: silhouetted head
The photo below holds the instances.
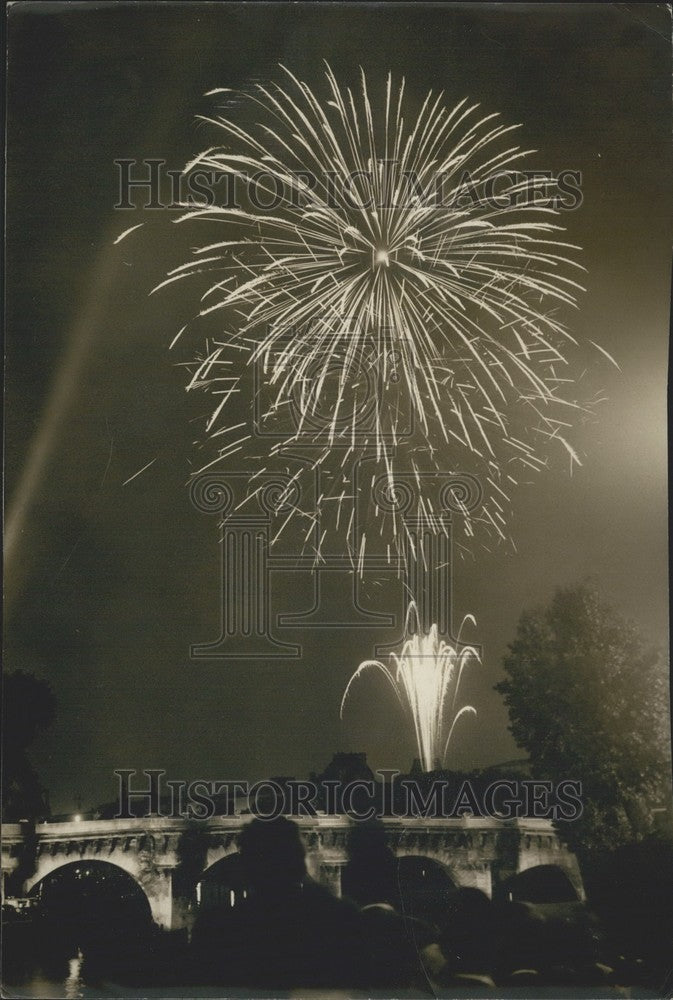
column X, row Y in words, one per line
column 469, row 926
column 391, row 959
column 469, row 906
column 367, row 841
column 523, row 943
column 272, row 854
column 370, row 876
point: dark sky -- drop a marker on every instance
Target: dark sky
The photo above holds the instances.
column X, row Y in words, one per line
column 108, row 585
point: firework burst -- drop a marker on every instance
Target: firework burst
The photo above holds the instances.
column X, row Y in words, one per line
column 425, row 678
column 374, row 267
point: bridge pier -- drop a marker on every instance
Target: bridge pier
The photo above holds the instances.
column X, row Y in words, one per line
column 329, row 875
column 476, row 876
column 160, row 898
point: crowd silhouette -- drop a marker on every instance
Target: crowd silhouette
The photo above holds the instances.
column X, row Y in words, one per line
column 289, row 933
column 269, row 929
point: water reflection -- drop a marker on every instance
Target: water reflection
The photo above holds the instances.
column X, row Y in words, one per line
column 74, row 984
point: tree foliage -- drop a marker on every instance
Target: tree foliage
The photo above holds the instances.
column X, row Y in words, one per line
column 28, row 706
column 588, row 700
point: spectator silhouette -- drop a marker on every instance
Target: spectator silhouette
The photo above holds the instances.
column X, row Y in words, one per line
column 467, row 942
column 552, row 945
column 393, row 942
column 395, row 946
column 370, row 876
column 289, row 932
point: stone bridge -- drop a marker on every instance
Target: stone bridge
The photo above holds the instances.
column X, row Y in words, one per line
column 482, row 853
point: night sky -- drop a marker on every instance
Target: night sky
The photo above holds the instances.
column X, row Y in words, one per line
column 107, row 585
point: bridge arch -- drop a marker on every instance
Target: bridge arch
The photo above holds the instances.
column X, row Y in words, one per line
column 93, row 904
column 49, row 865
column 545, row 883
column 219, row 851
column 222, row 883
column 140, row 866
column 426, row 885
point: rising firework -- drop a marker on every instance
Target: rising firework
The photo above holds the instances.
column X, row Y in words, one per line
column 425, row 678
column 373, row 272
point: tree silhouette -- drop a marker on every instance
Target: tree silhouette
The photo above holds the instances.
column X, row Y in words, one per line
column 28, row 707
column 588, row 700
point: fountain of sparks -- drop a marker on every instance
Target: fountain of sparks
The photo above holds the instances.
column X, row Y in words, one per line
column 426, row 677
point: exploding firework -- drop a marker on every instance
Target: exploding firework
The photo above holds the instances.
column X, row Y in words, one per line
column 425, row 678
column 376, row 274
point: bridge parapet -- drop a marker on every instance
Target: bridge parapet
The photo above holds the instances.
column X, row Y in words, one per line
column 475, row 852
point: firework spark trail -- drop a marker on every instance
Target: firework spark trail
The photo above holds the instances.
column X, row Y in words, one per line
column 356, row 261
column 425, row 678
